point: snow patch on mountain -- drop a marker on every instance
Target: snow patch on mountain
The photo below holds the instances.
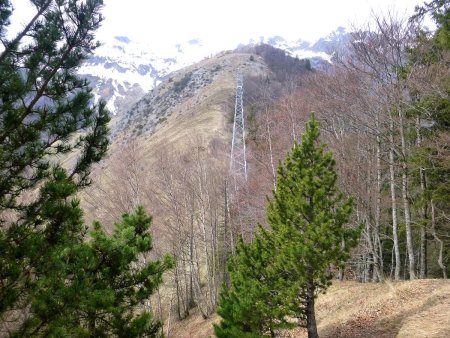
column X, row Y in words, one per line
column 121, row 64
column 321, row 50
column 122, row 70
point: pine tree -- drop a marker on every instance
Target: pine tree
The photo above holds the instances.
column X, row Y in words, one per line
column 98, row 288
column 431, row 157
column 279, row 274
column 307, row 216
column 52, row 282
column 45, row 114
column 252, row 306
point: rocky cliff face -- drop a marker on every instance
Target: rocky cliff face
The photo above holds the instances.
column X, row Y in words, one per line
column 206, row 84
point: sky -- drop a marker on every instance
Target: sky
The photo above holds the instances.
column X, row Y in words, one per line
column 227, row 22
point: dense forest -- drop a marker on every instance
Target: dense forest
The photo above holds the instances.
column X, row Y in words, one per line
column 349, row 178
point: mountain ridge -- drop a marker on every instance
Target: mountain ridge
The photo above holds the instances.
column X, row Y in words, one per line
column 123, row 70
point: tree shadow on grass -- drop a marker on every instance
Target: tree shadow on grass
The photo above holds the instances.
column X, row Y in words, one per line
column 370, row 325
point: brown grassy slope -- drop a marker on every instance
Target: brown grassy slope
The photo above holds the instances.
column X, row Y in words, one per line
column 198, row 116
column 204, row 116
column 419, row 308
column 198, row 109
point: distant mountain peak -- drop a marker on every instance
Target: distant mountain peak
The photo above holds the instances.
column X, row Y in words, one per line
column 195, row 42
column 123, row 39
column 122, row 69
column 273, row 40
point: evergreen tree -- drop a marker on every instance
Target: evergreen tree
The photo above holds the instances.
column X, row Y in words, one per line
column 307, row 216
column 431, row 108
column 252, row 306
column 52, row 282
column 95, row 288
column 279, row 274
column 45, row 112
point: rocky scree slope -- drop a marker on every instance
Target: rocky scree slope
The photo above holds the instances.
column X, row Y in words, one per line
column 189, row 91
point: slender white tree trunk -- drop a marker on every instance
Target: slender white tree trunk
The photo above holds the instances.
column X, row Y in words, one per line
column 377, row 252
column 405, row 197
column 423, row 233
column 269, row 140
column 393, row 199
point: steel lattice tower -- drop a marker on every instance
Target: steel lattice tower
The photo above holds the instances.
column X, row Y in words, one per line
column 238, row 161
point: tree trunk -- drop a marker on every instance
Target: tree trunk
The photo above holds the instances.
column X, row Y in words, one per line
column 160, row 312
column 368, row 256
column 407, row 214
column 225, row 252
column 406, row 204
column 187, row 276
column 209, row 291
column 191, row 279
column 441, row 243
column 269, row 139
column 191, row 257
column 169, row 317
column 341, row 274
column 377, row 257
column 180, row 307
column 310, row 311
column 393, row 200
column 423, row 211
column 204, row 205
column 423, row 252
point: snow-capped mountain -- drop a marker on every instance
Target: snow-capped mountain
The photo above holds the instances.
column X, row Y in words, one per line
column 319, row 51
column 122, row 70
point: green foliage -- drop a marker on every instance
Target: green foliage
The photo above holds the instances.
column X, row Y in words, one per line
column 308, row 216
column 59, row 283
column 439, row 10
column 253, row 306
column 5, row 13
column 178, row 86
column 44, row 107
column 432, row 53
column 308, row 64
column 272, row 275
column 95, row 288
column 431, row 158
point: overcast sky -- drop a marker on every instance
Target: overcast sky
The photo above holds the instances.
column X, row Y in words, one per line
column 231, row 21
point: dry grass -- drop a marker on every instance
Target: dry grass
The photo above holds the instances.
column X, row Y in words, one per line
column 199, row 120
column 194, row 326
column 419, row 308
column 384, row 310
column 204, row 115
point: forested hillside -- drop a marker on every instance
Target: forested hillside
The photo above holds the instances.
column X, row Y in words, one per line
column 137, row 227
column 383, row 109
